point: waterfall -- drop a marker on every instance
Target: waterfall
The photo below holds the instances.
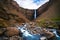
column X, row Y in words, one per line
column 35, row 14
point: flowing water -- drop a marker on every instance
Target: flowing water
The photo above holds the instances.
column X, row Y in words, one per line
column 57, row 36
column 55, row 32
column 26, row 35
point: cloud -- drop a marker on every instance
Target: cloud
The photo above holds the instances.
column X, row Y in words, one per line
column 31, row 4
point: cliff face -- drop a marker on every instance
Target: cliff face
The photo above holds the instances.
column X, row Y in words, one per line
column 10, row 13
column 53, row 12
column 29, row 14
column 10, row 7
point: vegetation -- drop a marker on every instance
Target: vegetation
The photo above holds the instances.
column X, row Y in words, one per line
column 46, row 23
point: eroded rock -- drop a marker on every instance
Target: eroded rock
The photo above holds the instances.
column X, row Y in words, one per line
column 10, row 31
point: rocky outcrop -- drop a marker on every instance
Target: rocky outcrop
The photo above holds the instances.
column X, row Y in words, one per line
column 11, row 31
column 52, row 12
column 10, row 13
column 29, row 14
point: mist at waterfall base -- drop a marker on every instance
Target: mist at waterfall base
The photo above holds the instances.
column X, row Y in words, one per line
column 26, row 35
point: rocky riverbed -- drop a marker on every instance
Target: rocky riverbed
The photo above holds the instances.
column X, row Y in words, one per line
column 13, row 33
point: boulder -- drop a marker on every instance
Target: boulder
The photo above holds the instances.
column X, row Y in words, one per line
column 2, row 30
column 11, row 31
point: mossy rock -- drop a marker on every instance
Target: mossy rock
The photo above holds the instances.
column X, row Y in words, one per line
column 2, row 30
column 3, row 23
column 46, row 23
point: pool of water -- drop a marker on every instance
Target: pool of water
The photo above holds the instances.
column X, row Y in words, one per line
column 57, row 38
column 33, row 37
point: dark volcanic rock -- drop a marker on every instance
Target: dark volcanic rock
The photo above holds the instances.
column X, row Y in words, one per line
column 2, row 30
column 11, row 38
column 15, row 38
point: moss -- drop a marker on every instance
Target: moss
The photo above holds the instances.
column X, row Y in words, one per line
column 55, row 19
column 46, row 23
column 3, row 23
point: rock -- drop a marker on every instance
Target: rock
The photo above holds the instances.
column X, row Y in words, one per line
column 11, row 31
column 11, row 38
column 0, row 38
column 5, row 38
column 3, row 23
column 58, row 32
column 10, row 13
column 15, row 38
column 2, row 30
column 46, row 23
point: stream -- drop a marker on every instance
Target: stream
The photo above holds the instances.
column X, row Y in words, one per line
column 28, row 35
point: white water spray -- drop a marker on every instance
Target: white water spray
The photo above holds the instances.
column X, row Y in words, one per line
column 54, row 31
column 26, row 35
column 24, row 31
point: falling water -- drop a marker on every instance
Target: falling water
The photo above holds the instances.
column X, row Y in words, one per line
column 35, row 14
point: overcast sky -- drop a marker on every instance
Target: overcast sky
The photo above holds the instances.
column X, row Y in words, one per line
column 31, row 4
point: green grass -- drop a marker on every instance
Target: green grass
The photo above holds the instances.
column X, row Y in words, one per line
column 56, row 19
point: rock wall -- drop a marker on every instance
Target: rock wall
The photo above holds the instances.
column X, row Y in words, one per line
column 53, row 12
column 10, row 13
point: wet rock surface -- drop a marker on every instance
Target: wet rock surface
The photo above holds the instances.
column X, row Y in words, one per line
column 13, row 33
column 38, row 30
column 10, row 33
column 11, row 38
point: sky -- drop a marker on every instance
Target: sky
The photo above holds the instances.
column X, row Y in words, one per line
column 31, row 4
